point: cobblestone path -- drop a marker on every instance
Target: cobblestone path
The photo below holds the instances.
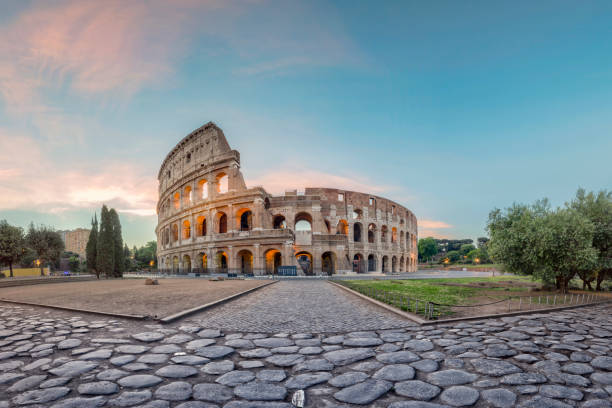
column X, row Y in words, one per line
column 58, row 359
column 297, row 307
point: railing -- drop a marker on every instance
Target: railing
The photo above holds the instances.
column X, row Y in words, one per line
column 436, row 311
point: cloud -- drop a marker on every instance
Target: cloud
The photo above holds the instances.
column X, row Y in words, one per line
column 432, row 224
column 30, row 180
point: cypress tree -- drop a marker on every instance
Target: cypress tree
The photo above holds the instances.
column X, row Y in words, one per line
column 105, row 257
column 119, row 257
column 91, row 249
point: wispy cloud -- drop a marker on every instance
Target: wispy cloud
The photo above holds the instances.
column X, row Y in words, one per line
column 432, row 224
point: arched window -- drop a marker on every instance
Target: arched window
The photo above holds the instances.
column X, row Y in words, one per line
column 187, row 197
column 222, row 183
column 177, row 200
column 357, row 232
column 394, row 235
column 175, row 233
column 203, row 186
column 342, row 228
column 279, row 222
column 383, row 234
column 222, row 223
column 201, row 226
column 371, row 263
column 246, row 221
column 186, row 229
column 303, row 222
column 372, row 233
column 357, row 213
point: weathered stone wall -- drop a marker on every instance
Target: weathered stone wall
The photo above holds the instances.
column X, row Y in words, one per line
column 205, row 224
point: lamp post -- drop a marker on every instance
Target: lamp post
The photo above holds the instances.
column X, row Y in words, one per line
column 38, row 266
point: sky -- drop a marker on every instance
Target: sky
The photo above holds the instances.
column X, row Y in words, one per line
column 449, row 108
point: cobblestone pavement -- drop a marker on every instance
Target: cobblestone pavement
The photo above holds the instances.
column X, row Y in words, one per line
column 58, row 359
column 299, row 306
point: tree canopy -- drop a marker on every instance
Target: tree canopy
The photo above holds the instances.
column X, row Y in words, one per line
column 427, row 248
column 12, row 244
column 46, row 243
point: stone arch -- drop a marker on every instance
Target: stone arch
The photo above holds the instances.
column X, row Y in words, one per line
column 383, row 234
column 303, row 222
column 175, row 264
column 328, row 263
column 177, row 200
column 222, row 183
column 175, row 233
column 357, row 214
column 342, row 228
column 385, row 263
column 186, row 267
column 203, row 189
column 221, row 219
column 394, row 235
column 278, row 222
column 357, row 232
column 402, row 241
column 221, row 261
column 401, row 264
column 187, row 197
column 327, row 226
column 244, row 219
column 372, row 233
column 304, row 260
column 359, row 263
column 203, row 260
column 201, row 226
column 274, row 259
column 371, row 263
column 186, row 229
column 244, row 260
column 394, row 264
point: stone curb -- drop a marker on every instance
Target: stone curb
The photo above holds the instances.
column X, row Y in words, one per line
column 179, row 315
column 423, row 322
column 74, row 309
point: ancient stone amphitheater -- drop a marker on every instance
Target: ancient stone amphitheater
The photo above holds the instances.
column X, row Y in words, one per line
column 210, row 222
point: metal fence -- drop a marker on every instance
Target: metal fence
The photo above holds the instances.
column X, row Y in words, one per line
column 438, row 311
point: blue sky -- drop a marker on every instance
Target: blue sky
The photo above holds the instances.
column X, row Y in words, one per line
column 450, row 108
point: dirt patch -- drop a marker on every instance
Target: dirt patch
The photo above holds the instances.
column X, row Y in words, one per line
column 509, row 284
column 130, row 296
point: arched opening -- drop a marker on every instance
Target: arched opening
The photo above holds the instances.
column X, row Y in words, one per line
column 393, row 235
column 203, row 263
column 175, row 233
column 186, row 264
column 279, row 222
column 221, row 262
column 408, row 240
column 203, row 187
column 221, row 222
column 201, row 226
column 383, row 234
column 357, row 214
column 175, row 265
column 358, row 264
column 303, row 222
column 372, row 233
column 385, row 263
column 357, row 232
column 245, row 261
column 394, row 264
column 328, row 263
column 401, row 237
column 401, row 264
column 187, row 197
column 371, row 263
column 327, row 226
column 273, row 261
column 177, row 200
column 245, row 220
column 222, row 183
column 342, row 228
column 186, row 229
column 304, row 260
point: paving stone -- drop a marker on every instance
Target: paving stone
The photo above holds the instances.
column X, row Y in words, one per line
column 136, row 367
column 426, row 366
column 303, row 381
column 40, row 396
column 260, row 391
column 218, row 367
column 132, row 349
column 196, row 404
column 256, row 404
column 362, row 341
column 602, row 378
column 367, row 366
column 111, row 374
column 348, row 379
column 98, row 388
column 122, row 360
column 580, row 357
column 209, row 333
column 602, row 362
column 451, row 377
column 364, row 392
column 73, row 368
column 417, row 389
column 315, row 364
column 236, row 377
column 214, row 352
column 175, row 391
column 178, row 339
column 559, row 391
column 523, row 379
column 176, row 371
column 416, row 404
column 271, row 375
column 597, row 403
column 250, row 364
column 68, row 344
column 153, row 358
column 543, row 402
column 255, row 353
column 189, row 360
column 101, row 354
column 212, row 392
column 80, row 402
column 577, row 368
column 419, row 345
column 576, row 380
column 131, row 398
column 139, row 381
column 397, row 357
column 499, row 397
column 395, row 372
column 36, row 364
column 55, row 382
column 273, row 342
column 494, row 368
column 459, row 396
column 527, row 389
column 285, row 360
column 148, row 337
column 240, row 344
column 198, row 344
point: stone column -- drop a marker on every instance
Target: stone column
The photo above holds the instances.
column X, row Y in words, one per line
column 258, row 209
column 231, row 221
column 258, row 266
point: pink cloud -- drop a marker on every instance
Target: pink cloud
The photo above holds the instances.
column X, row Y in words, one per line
column 432, row 224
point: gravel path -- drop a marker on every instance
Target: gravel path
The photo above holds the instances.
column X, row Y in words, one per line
column 299, row 306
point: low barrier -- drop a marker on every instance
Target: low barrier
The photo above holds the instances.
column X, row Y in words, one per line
column 438, row 311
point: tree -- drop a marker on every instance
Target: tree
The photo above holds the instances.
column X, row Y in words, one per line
column 453, row 256
column 47, row 244
column 482, row 242
column 465, row 248
column 105, row 254
column 74, row 263
column 127, row 258
column 119, row 260
column 91, row 249
column 598, row 209
column 427, row 248
column 12, row 244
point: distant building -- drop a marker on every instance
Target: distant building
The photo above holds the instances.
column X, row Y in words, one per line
column 76, row 240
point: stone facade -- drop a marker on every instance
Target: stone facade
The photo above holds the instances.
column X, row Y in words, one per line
column 76, row 240
column 209, row 221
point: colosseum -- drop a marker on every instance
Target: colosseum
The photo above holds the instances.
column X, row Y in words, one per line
column 210, row 222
